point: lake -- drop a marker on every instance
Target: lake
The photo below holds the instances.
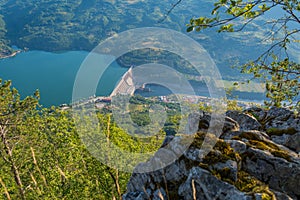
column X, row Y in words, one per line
column 53, row 74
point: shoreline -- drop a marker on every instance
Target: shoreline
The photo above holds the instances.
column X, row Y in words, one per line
column 11, row 55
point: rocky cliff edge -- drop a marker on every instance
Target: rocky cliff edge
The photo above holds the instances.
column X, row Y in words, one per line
column 257, row 156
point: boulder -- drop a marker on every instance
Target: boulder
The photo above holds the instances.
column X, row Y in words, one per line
column 282, row 118
column 290, row 141
column 230, row 167
column 245, row 121
column 280, row 173
column 293, row 142
column 135, row 196
column 257, row 113
column 279, row 114
column 201, row 184
column 281, row 196
column 203, row 121
column 193, row 122
column 160, row 194
column 238, row 146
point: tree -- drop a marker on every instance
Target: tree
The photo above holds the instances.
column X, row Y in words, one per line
column 13, row 114
column 275, row 67
column 42, row 156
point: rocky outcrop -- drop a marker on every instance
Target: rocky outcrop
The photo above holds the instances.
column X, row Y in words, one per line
column 255, row 157
column 201, row 184
column 245, row 121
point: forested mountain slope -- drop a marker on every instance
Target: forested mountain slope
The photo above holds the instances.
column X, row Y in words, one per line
column 53, row 25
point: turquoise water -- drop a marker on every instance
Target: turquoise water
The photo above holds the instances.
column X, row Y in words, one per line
column 53, row 74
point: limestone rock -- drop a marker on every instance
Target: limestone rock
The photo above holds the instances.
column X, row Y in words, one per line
column 135, row 196
column 237, row 145
column 230, row 167
column 290, row 141
column 245, row 121
column 280, row 114
column 194, row 154
column 280, row 174
column 257, row 113
column 160, row 194
column 281, row 196
column 204, row 121
column 293, row 142
column 193, row 122
column 201, row 184
column 282, row 118
column 252, row 134
column 280, row 139
column 255, row 157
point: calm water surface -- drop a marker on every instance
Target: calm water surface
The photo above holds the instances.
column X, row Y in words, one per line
column 53, row 74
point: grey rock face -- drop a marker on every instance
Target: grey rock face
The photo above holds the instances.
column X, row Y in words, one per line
column 245, row 121
column 237, row 145
column 231, row 167
column 280, row 114
column 280, row 139
column 206, row 121
column 193, row 122
column 194, row 154
column 293, row 142
column 160, row 194
column 280, row 174
column 136, row 196
column 281, row 196
column 244, row 148
column 257, row 112
column 256, row 134
column 290, row 141
column 201, row 184
column 282, row 118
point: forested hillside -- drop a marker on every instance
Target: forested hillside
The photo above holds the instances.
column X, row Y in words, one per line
column 54, row 26
column 74, row 24
column 43, row 157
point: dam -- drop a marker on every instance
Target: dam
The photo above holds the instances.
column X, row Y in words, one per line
column 125, row 85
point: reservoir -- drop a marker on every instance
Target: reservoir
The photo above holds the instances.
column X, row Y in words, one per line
column 53, row 74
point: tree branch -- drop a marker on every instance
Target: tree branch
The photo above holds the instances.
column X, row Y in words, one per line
column 169, row 11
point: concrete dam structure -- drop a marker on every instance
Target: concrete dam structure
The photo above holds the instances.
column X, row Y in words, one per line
column 126, row 84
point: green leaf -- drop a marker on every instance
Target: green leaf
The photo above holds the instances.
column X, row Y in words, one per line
column 189, row 29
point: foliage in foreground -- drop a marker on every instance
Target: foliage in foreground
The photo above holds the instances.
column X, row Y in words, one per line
column 275, row 66
column 42, row 156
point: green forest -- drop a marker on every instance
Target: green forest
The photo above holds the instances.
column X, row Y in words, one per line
column 57, row 26
column 43, row 157
column 73, row 24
